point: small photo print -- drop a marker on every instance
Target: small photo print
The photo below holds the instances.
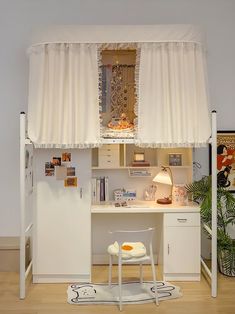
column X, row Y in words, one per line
column 70, row 171
column 71, row 182
column 49, row 169
column 56, row 161
column 66, row 157
column 60, row 172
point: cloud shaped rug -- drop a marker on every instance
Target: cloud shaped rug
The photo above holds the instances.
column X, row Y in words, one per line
column 132, row 293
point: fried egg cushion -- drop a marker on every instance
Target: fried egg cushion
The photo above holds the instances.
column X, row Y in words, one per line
column 129, row 249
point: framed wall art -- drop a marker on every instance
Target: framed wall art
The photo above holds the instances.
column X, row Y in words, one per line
column 225, row 159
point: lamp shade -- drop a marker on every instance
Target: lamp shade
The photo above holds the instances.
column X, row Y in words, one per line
column 163, row 177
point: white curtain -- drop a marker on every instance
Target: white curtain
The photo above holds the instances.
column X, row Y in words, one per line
column 172, row 104
column 63, row 108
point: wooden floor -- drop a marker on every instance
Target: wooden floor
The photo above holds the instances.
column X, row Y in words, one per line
column 51, row 298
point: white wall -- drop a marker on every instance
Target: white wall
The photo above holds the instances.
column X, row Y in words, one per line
column 20, row 18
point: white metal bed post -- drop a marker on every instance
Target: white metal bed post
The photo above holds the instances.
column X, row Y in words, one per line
column 22, row 205
column 214, row 206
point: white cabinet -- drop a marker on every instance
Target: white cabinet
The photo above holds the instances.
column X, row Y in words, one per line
column 181, row 252
column 62, row 239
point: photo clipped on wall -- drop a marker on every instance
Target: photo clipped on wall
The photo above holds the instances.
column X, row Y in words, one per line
column 70, row 171
column 66, row 157
column 56, row 161
column 71, row 182
column 49, row 169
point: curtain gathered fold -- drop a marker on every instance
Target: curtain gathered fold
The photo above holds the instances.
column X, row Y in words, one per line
column 173, row 108
column 63, row 107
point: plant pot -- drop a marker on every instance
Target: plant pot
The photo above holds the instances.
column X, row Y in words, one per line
column 226, row 261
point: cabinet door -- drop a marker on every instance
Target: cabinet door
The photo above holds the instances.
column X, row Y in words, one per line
column 182, row 249
column 62, row 245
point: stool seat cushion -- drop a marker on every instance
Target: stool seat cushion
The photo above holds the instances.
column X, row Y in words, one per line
column 129, row 249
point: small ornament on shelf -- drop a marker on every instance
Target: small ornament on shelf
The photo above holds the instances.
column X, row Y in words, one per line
column 139, row 160
column 150, row 193
column 175, row 159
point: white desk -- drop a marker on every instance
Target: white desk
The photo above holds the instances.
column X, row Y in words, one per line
column 181, row 236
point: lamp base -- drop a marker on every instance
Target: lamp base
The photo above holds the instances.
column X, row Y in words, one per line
column 164, row 201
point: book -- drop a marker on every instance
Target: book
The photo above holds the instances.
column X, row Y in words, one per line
column 97, row 190
column 106, row 189
column 102, row 189
column 93, row 190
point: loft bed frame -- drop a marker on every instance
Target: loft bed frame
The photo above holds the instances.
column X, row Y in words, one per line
column 110, row 35
column 26, row 215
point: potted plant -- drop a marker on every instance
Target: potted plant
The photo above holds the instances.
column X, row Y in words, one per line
column 201, row 193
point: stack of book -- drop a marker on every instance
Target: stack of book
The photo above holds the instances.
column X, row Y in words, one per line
column 99, row 189
column 140, row 163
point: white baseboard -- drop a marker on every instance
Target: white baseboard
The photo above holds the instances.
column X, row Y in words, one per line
column 182, row 277
column 61, row 278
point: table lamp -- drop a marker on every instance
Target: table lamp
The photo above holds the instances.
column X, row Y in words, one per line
column 165, row 177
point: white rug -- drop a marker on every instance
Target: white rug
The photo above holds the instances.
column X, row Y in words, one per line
column 132, row 293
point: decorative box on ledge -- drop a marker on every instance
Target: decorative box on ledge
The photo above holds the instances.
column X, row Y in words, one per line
column 124, row 195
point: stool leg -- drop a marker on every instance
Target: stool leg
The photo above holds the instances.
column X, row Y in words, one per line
column 120, row 281
column 154, row 281
column 110, row 269
column 141, row 273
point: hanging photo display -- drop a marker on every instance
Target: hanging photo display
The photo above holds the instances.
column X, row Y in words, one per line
column 49, row 169
column 71, row 182
column 61, row 170
column 66, row 157
column 70, row 171
column 56, row 161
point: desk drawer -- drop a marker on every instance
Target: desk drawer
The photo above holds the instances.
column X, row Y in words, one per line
column 109, row 147
column 109, row 161
column 182, row 219
column 109, row 156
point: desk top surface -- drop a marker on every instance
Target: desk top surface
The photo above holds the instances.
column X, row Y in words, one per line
column 144, row 207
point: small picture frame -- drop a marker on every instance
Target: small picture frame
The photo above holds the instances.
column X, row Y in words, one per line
column 175, row 159
column 139, row 156
column 179, row 195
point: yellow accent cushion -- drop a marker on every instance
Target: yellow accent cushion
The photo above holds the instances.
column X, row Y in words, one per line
column 129, row 249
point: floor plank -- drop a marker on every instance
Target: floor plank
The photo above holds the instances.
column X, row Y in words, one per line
column 52, row 298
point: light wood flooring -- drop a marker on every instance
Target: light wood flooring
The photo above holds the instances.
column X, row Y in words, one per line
column 51, row 298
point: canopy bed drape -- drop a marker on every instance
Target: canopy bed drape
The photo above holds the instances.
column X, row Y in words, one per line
column 63, row 96
column 170, row 82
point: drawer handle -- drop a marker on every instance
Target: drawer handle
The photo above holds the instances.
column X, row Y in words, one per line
column 182, row 219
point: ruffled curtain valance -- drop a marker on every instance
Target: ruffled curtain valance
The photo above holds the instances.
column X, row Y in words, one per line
column 63, row 110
